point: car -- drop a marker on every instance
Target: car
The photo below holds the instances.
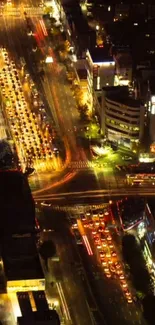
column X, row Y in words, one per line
column 130, row 301
column 46, row 204
column 124, row 285
column 122, row 277
column 100, row 214
column 108, row 275
column 100, row 229
column 126, row 158
column 83, row 218
column 106, row 231
column 97, row 223
column 91, row 224
column 127, row 293
column 75, row 226
column 47, row 230
column 109, row 238
column 102, row 254
column 95, row 214
column 113, row 254
column 118, row 265
column 88, row 214
column 96, row 240
column 94, row 232
column 106, row 270
column 86, row 225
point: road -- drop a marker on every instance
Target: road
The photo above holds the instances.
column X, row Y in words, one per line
column 66, row 271
column 88, row 293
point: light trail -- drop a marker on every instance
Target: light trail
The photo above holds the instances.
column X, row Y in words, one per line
column 43, row 27
column 67, row 177
column 86, row 242
column 63, row 301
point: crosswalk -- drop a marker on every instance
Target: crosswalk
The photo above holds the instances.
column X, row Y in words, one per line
column 80, row 164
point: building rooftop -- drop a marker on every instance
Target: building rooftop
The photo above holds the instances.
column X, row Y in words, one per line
column 17, row 207
column 120, row 94
column 82, row 73
column 49, row 317
column 20, row 258
column 99, row 54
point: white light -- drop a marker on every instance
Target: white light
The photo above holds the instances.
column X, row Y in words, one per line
column 97, row 27
column 98, row 83
column 109, row 8
column 105, row 64
column 153, row 99
column 49, row 59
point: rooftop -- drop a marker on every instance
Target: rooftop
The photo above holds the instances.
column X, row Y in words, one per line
column 100, row 54
column 82, row 73
column 16, row 204
column 20, row 258
column 120, row 94
column 50, row 316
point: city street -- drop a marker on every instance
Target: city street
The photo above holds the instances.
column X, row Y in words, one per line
column 101, row 295
column 67, row 270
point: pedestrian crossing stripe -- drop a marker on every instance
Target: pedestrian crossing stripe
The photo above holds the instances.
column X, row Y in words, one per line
column 81, row 164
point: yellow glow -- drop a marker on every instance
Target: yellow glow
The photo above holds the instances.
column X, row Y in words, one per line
column 26, row 285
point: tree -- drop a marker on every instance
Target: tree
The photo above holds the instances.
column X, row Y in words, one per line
column 47, row 250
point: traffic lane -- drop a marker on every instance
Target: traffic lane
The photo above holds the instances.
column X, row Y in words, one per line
column 67, row 268
column 108, row 295
column 64, row 122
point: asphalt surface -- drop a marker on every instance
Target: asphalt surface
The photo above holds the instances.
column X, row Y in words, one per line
column 87, row 291
column 67, row 271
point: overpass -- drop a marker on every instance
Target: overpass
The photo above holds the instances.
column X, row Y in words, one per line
column 93, row 195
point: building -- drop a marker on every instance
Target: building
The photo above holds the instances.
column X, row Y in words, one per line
column 36, row 318
column 78, row 29
column 33, row 311
column 102, row 67
column 21, row 262
column 16, row 204
column 85, row 80
column 122, row 118
column 123, row 76
column 131, row 212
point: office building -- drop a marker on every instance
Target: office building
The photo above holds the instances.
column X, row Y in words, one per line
column 16, row 203
column 122, row 117
column 21, row 262
column 34, row 309
column 102, row 67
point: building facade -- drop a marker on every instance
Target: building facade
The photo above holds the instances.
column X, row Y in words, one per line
column 102, row 68
column 122, row 118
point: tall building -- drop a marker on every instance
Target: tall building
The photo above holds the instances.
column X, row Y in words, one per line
column 16, row 204
column 102, row 67
column 122, row 118
column 19, row 255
